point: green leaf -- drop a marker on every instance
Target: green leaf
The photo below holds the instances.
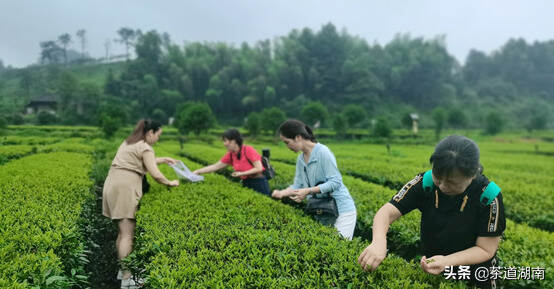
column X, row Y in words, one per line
column 53, row 279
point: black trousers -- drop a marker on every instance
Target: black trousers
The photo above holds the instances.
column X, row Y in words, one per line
column 257, row 184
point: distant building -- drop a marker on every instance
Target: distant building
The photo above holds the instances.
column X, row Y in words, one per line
column 415, row 120
column 45, row 102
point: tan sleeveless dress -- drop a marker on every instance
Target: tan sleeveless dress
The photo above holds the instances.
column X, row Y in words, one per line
column 123, row 186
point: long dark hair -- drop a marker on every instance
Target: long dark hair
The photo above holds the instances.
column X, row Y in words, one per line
column 292, row 127
column 456, row 152
column 142, row 127
column 233, row 134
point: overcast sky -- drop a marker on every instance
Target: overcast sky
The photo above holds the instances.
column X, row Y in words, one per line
column 481, row 24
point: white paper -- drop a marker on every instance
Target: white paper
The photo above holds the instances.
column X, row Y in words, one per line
column 184, row 173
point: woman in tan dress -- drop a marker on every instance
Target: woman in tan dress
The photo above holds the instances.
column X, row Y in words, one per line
column 123, row 186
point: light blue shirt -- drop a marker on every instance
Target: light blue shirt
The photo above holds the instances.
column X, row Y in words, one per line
column 322, row 168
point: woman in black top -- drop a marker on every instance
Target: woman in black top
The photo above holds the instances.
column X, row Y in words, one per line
column 462, row 214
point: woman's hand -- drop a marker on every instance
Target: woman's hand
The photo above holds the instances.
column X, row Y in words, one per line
column 282, row 193
column 434, row 265
column 237, row 174
column 372, row 256
column 173, row 183
column 299, row 195
column 169, row 161
column 276, row 194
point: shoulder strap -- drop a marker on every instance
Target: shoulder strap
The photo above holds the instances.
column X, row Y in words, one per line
column 427, row 181
column 489, row 194
column 249, row 161
column 246, row 156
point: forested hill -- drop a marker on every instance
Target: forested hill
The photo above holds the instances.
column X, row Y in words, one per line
column 408, row 74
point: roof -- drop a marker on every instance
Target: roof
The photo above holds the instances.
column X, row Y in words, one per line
column 47, row 98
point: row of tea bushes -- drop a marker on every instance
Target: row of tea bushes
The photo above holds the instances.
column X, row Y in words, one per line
column 526, row 179
column 368, row 198
column 522, row 246
column 216, row 234
column 57, row 131
column 12, row 152
column 515, row 249
column 27, row 140
column 42, row 199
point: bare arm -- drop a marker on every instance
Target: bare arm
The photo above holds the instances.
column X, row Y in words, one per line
column 211, row 168
column 279, row 194
column 150, row 163
column 484, row 250
column 386, row 215
column 375, row 253
column 258, row 168
column 166, row 160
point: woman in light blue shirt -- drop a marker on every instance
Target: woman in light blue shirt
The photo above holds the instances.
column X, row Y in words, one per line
column 316, row 173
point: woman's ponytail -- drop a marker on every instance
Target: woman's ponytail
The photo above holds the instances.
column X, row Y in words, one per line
column 292, row 127
column 141, row 128
column 310, row 133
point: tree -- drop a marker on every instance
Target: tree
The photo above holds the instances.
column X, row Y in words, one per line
column 269, row 95
column 127, row 36
column 339, row 125
column 477, row 66
column 27, row 81
column 457, row 118
column 88, row 99
column 382, row 127
column 354, row 114
column 272, row 118
column 45, row 117
column 253, row 123
column 67, row 86
column 50, row 52
column 111, row 117
column 194, row 117
column 167, row 100
column 17, row 119
column 112, row 85
column 148, row 48
column 313, row 112
column 64, row 40
column 420, row 70
column 439, row 116
column 148, row 92
column 159, row 115
column 406, row 120
column 110, row 123
column 81, row 34
column 494, row 123
column 537, row 122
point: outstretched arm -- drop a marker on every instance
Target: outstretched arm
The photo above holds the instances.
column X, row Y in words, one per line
column 375, row 253
column 484, row 250
column 166, row 160
column 211, row 168
column 150, row 163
